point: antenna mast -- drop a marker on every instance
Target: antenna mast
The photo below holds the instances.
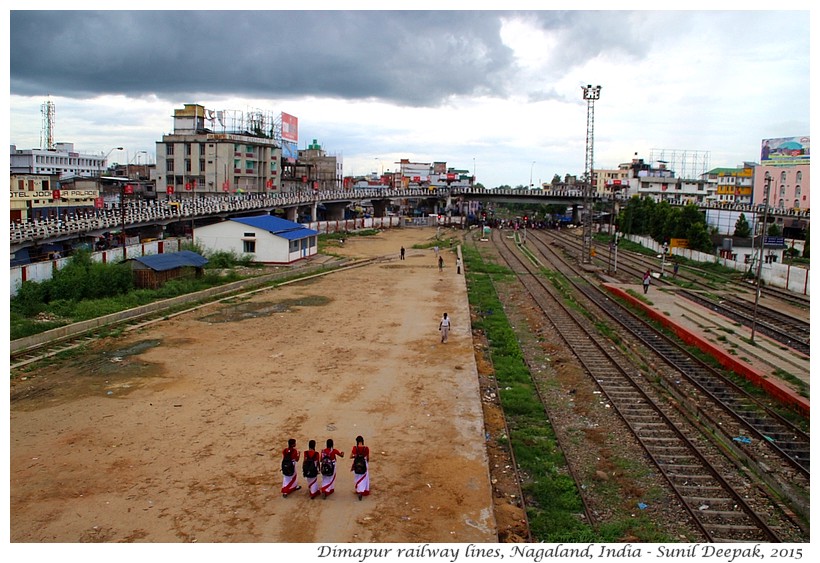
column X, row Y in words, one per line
column 47, row 130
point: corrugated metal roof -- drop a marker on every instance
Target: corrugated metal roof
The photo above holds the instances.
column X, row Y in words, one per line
column 297, row 234
column 172, row 260
column 277, row 226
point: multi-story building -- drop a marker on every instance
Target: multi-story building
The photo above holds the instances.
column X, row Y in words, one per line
column 42, row 196
column 609, row 180
column 195, row 160
column 324, row 171
column 732, row 186
column 661, row 184
column 789, row 186
column 61, row 161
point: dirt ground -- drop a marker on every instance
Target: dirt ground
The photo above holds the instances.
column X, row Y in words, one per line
column 174, row 433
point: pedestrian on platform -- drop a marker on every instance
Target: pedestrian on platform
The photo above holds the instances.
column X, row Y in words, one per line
column 310, row 469
column 646, row 278
column 328, row 468
column 458, row 265
column 402, row 253
column 440, row 263
column 290, row 481
column 675, row 269
column 361, row 467
column 444, row 327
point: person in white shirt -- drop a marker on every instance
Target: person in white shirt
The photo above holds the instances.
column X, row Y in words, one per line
column 444, row 327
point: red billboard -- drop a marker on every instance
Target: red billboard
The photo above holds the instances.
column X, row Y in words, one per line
column 290, row 128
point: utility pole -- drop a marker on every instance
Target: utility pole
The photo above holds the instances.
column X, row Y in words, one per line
column 762, row 244
column 591, row 93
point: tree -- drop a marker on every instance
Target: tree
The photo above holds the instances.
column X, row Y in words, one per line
column 774, row 230
column 556, row 180
column 742, row 227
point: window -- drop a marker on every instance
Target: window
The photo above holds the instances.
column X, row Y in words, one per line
column 187, row 149
column 169, row 149
column 783, row 176
column 169, row 165
column 797, row 190
column 249, row 246
column 799, row 176
column 249, row 235
column 187, row 165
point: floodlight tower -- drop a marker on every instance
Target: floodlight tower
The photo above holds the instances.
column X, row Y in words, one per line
column 591, row 93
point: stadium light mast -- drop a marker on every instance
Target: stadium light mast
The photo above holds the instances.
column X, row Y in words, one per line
column 591, row 93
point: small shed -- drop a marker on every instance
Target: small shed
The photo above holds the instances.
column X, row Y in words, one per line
column 153, row 270
column 266, row 238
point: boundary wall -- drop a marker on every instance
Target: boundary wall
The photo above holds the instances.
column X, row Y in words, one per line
column 775, row 274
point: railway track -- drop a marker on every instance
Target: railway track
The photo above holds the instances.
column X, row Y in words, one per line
column 754, row 418
column 716, row 507
column 777, row 325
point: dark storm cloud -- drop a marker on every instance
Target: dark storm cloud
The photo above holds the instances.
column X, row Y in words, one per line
column 406, row 57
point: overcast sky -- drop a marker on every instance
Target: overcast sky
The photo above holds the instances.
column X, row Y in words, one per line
column 495, row 92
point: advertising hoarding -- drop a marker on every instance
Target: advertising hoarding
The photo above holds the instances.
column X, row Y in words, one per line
column 785, row 150
column 290, row 128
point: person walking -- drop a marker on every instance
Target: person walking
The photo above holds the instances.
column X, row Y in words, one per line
column 402, row 253
column 675, row 269
column 440, row 263
column 328, row 468
column 444, row 327
column 310, row 469
column 646, row 278
column 458, row 265
column 290, row 481
column 361, row 467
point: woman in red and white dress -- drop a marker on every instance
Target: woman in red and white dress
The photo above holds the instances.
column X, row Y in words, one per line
column 329, row 481
column 312, row 476
column 361, row 475
column 290, row 482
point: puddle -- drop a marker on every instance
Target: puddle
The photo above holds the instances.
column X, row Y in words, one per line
column 252, row 310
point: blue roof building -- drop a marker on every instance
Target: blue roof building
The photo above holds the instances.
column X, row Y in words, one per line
column 268, row 239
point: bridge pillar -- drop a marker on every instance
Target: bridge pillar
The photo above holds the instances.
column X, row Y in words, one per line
column 335, row 211
column 292, row 214
column 314, row 207
column 379, row 207
column 576, row 215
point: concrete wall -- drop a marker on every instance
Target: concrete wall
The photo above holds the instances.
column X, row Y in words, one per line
column 42, row 271
column 783, row 276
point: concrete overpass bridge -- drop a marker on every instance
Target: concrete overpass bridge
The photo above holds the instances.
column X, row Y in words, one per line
column 139, row 214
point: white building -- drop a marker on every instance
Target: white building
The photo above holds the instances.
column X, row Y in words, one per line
column 268, row 239
column 61, row 161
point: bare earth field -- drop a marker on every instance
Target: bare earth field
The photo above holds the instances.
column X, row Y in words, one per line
column 173, row 433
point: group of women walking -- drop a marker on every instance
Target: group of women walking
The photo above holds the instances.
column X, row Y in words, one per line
column 321, row 465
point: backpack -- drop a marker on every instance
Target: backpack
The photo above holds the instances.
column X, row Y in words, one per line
column 327, row 465
column 287, row 466
column 359, row 464
column 309, row 468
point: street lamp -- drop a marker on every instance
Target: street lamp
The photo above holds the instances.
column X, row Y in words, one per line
column 768, row 185
column 128, row 164
column 531, row 167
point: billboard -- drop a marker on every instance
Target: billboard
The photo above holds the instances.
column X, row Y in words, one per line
column 289, row 152
column 290, row 128
column 785, row 150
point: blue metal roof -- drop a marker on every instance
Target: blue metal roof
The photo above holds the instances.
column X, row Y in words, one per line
column 172, row 260
column 277, row 226
column 297, row 234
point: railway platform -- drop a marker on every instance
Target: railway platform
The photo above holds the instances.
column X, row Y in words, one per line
column 781, row 371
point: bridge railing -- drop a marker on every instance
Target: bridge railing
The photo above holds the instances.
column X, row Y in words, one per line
column 139, row 212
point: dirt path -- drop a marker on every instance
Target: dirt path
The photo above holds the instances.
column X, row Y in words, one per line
column 174, row 434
